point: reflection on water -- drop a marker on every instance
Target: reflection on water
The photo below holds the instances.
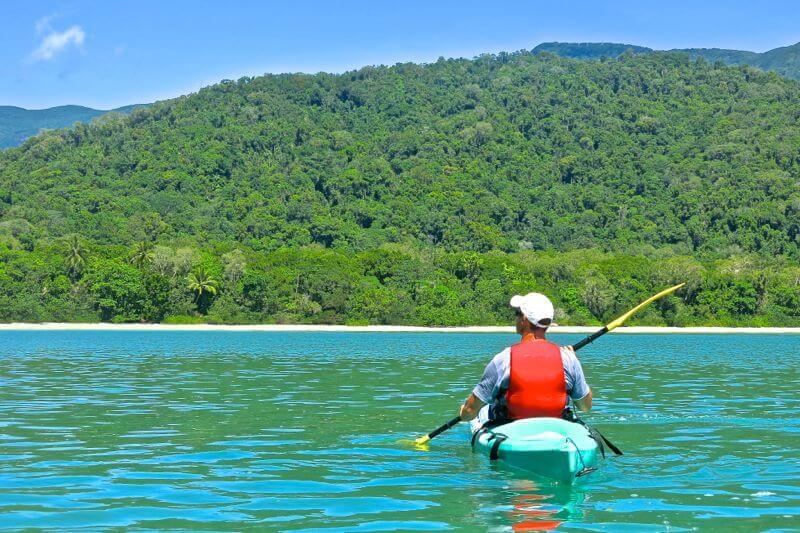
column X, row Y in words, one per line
column 538, row 506
column 305, row 432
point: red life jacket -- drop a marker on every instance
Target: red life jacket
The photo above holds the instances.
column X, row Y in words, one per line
column 537, row 386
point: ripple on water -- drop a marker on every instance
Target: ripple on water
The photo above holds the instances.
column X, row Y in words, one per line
column 337, row 507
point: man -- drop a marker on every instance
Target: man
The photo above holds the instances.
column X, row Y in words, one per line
column 532, row 378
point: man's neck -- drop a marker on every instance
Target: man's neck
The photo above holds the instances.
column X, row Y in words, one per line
column 533, row 334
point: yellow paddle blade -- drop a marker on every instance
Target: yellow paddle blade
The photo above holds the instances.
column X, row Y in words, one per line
column 621, row 319
column 419, row 444
column 422, row 446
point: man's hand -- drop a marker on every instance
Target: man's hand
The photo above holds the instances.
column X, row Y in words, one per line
column 470, row 408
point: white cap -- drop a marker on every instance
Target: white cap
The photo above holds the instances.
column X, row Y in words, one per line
column 536, row 307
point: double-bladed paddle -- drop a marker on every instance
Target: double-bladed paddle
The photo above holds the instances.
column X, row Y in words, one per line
column 617, row 322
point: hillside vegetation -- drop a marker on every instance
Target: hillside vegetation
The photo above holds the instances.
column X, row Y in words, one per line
column 418, row 194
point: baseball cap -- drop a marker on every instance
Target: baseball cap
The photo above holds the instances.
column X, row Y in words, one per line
column 536, row 307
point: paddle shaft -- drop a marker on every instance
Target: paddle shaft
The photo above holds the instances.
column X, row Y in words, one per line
column 591, row 338
column 614, row 324
column 577, row 346
column 444, row 427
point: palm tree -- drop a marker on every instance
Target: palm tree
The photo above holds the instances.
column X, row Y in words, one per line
column 76, row 257
column 200, row 282
column 142, row 254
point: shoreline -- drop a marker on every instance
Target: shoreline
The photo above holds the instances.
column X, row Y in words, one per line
column 104, row 326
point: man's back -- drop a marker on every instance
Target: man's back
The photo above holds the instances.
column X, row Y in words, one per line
column 493, row 387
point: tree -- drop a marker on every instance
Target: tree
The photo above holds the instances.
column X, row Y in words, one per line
column 597, row 295
column 118, row 289
column 234, row 264
column 75, row 255
column 142, row 254
column 203, row 285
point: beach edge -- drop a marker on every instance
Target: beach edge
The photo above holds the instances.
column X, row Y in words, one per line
column 103, row 326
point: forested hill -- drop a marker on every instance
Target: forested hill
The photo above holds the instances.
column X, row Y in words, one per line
column 422, row 194
column 510, row 152
column 17, row 124
column 784, row 60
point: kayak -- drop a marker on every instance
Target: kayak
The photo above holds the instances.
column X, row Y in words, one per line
column 549, row 447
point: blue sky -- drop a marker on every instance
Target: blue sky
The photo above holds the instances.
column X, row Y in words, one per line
column 106, row 54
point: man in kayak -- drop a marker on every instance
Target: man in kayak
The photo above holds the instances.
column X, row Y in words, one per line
column 533, row 378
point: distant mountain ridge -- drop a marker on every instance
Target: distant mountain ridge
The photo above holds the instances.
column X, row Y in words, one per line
column 785, row 60
column 17, row 124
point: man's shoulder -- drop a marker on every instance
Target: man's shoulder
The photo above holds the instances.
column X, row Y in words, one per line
column 568, row 353
column 570, row 360
column 503, row 357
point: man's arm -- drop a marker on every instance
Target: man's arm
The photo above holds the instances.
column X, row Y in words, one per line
column 580, row 394
column 483, row 391
column 471, row 407
column 585, row 403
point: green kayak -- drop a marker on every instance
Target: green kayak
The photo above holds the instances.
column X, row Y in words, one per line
column 549, row 447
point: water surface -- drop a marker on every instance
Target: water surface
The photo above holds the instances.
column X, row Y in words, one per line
column 299, row 432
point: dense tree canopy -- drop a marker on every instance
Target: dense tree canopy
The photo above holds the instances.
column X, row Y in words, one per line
column 390, row 284
column 418, row 194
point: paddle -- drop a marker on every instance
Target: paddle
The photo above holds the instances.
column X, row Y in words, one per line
column 617, row 322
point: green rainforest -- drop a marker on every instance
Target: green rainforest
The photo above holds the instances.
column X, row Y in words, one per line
column 419, row 194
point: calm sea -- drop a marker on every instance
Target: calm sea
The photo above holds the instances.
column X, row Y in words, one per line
column 304, row 432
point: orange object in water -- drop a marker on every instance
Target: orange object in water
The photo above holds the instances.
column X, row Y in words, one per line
column 536, row 385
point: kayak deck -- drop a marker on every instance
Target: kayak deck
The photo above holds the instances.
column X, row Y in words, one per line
column 549, row 447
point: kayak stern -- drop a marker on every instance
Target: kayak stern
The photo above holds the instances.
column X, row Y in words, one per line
column 549, row 447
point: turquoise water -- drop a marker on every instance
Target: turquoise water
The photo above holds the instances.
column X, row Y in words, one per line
column 303, row 431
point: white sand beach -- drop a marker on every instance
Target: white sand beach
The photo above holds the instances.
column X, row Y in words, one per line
column 104, row 326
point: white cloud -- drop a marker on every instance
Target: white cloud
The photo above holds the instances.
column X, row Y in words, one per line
column 54, row 42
